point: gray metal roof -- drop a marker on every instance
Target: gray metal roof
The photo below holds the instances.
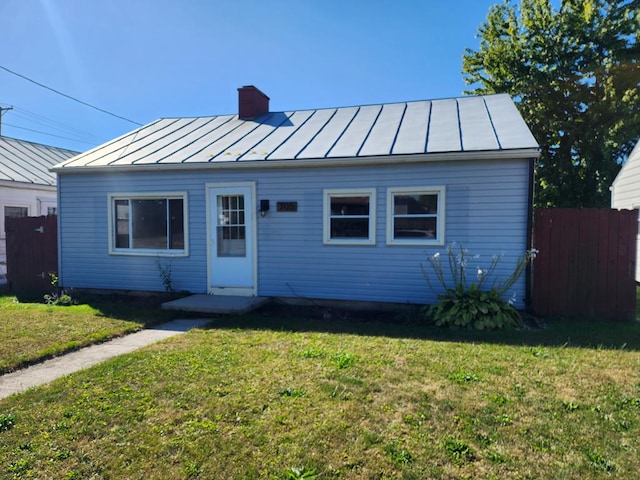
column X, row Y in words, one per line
column 28, row 162
column 488, row 123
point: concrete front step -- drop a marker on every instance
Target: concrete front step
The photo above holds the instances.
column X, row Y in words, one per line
column 225, row 304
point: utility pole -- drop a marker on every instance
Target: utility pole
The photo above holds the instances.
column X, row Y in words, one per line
column 2, row 110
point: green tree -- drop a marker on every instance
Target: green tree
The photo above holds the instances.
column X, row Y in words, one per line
column 575, row 74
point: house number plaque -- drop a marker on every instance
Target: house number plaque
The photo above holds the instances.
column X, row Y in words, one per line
column 287, row 206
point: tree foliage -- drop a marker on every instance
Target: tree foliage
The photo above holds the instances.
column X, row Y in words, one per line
column 575, row 75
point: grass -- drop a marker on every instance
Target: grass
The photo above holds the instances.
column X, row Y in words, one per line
column 32, row 332
column 283, row 395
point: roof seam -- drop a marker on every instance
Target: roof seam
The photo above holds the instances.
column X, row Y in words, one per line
column 134, row 138
column 262, row 139
column 313, row 137
column 229, row 119
column 107, row 144
column 185, row 146
column 165, row 135
column 459, row 125
column 18, row 165
column 426, row 137
column 395, row 137
column 168, row 145
column 493, row 127
column 342, row 133
column 373, row 124
column 291, row 134
column 216, row 140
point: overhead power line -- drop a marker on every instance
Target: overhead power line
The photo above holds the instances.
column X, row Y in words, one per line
column 68, row 96
column 47, row 122
column 49, row 134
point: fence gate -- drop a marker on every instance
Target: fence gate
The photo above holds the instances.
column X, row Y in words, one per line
column 586, row 263
column 32, row 252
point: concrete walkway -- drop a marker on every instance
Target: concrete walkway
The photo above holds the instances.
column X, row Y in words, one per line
column 45, row 372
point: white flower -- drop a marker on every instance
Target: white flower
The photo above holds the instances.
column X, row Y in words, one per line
column 436, row 256
column 512, row 300
column 480, row 273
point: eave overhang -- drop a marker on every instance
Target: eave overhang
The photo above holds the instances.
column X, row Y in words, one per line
column 514, row 154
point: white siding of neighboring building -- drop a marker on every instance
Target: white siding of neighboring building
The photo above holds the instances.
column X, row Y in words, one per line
column 37, row 198
column 625, row 192
column 486, row 211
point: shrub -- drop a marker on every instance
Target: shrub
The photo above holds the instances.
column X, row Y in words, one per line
column 473, row 305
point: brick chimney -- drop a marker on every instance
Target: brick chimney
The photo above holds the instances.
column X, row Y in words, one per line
column 251, row 102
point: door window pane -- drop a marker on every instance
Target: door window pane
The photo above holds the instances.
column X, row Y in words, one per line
column 231, row 228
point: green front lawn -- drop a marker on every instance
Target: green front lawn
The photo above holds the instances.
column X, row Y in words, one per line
column 32, row 332
column 270, row 395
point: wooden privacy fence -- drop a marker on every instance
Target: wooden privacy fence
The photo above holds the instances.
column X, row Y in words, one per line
column 32, row 252
column 586, row 263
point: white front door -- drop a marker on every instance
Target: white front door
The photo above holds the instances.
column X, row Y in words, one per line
column 231, row 239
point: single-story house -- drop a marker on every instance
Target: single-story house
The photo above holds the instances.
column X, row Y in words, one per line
column 27, row 186
column 335, row 203
column 625, row 191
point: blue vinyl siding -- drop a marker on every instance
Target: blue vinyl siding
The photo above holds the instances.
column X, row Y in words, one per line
column 486, row 211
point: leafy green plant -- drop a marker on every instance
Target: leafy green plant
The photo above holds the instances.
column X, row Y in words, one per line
column 192, row 470
column 292, row 392
column 312, row 353
column 459, row 452
column 7, row 420
column 600, row 462
column 473, row 305
column 343, row 360
column 473, row 308
column 58, row 296
column 495, row 457
column 296, row 473
column 399, row 455
column 463, row 377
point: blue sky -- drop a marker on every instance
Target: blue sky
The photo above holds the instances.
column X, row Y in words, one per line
column 146, row 59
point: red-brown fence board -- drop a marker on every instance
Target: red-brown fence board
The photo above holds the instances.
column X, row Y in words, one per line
column 586, row 263
column 32, row 252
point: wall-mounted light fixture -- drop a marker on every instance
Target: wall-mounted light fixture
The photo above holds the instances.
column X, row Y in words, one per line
column 264, row 207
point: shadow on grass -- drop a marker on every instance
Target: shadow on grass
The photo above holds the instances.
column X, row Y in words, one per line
column 143, row 309
column 582, row 333
column 556, row 333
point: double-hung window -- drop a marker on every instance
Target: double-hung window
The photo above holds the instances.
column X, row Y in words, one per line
column 349, row 216
column 415, row 216
column 148, row 224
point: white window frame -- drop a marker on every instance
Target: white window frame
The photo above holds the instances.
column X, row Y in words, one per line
column 3, row 234
column 112, row 197
column 326, row 215
column 440, row 215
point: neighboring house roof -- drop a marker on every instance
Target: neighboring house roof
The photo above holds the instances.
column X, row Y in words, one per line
column 28, row 162
column 444, row 127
